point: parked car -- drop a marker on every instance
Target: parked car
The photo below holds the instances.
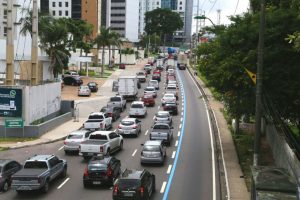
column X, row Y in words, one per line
column 167, row 98
column 93, row 86
column 150, row 90
column 101, row 170
column 163, row 117
column 117, row 101
column 154, row 83
column 84, row 90
column 153, row 152
column 134, row 184
column 163, row 132
column 171, row 107
column 112, row 111
column 73, row 140
column 98, row 121
column 130, row 126
column 122, row 66
column 138, row 108
column 70, row 73
column 148, row 100
column 73, row 80
column 8, row 168
column 141, row 76
column 38, row 172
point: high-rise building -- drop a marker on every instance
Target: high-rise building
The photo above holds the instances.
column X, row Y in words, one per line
column 3, row 17
column 188, row 19
column 59, row 8
column 91, row 12
column 171, row 4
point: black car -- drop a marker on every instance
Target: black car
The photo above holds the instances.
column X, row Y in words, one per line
column 101, row 170
column 113, row 112
column 73, row 80
column 134, row 184
column 7, row 169
column 93, row 86
column 171, row 107
column 160, row 67
column 156, row 77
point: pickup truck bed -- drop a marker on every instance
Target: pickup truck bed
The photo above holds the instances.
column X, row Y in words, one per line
column 32, row 172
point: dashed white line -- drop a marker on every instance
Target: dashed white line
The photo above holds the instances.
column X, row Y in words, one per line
column 182, row 104
column 146, row 132
column 62, row 184
column 180, row 126
column 163, row 187
column 158, row 107
column 169, row 169
column 181, row 119
column 176, row 143
column 134, row 152
column 60, row 148
column 173, row 154
column 181, row 113
column 178, row 133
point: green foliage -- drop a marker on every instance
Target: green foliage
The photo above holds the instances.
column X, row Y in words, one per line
column 127, row 51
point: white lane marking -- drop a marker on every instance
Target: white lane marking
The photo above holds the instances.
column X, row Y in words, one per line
column 182, row 108
column 181, row 119
column 214, row 193
column 169, row 169
column 158, row 107
column 60, row 148
column 182, row 104
column 62, row 184
column 146, row 132
column 182, row 113
column 173, row 154
column 180, row 126
column 163, row 187
column 134, row 152
column 178, row 133
column 176, row 143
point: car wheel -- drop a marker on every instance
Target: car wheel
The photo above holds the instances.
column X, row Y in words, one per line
column 121, row 146
column 5, row 186
column 64, row 173
column 85, row 185
column 86, row 157
column 46, row 187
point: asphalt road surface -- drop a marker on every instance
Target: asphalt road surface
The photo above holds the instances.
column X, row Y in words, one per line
column 188, row 172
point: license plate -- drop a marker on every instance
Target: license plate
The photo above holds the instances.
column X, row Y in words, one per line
column 90, row 154
column 96, row 182
column 126, row 132
column 24, row 188
column 127, row 194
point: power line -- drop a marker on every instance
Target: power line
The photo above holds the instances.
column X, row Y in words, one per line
column 212, row 6
column 237, row 4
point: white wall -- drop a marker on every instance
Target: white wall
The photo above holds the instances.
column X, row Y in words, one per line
column 132, row 20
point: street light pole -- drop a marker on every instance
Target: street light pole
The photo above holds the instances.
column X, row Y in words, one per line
column 204, row 17
column 258, row 107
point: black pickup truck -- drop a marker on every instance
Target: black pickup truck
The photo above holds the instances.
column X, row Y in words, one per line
column 38, row 172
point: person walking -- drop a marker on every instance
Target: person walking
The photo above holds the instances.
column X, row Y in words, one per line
column 195, row 73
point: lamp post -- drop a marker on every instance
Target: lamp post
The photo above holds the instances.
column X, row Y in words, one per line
column 204, row 17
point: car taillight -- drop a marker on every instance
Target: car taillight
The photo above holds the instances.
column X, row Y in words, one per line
column 142, row 191
column 65, row 142
column 116, row 189
column 86, row 172
column 101, row 148
column 134, row 126
column 110, row 114
column 109, row 171
column 101, row 125
column 119, row 127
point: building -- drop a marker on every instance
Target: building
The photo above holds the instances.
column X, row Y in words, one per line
column 91, row 12
column 3, row 17
column 188, row 20
column 58, row 8
column 145, row 6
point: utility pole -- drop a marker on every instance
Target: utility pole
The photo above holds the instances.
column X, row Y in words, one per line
column 197, row 22
column 10, row 67
column 34, row 45
column 258, row 107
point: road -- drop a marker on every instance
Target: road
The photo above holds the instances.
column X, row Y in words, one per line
column 187, row 174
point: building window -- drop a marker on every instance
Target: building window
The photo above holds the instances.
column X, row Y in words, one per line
column 180, row 3
column 157, row 3
column 180, row 8
column 60, row 4
column 59, row 13
column 53, row 4
column 67, row 13
column 5, row 14
column 53, row 12
column 5, row 31
column 67, row 4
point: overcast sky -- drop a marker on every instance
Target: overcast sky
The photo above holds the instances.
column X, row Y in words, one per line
column 227, row 7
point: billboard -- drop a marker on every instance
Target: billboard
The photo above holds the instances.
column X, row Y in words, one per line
column 10, row 102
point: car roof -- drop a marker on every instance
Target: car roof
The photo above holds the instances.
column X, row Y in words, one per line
column 100, row 159
column 156, row 81
column 153, row 142
column 80, row 132
column 163, row 112
column 4, row 161
column 169, row 94
column 101, row 132
column 96, row 113
column 128, row 119
column 137, row 102
column 171, row 85
column 40, row 157
column 151, row 87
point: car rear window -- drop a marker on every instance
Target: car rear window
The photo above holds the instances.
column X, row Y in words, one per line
column 136, row 106
column 74, row 136
column 98, row 137
column 97, row 167
column 151, row 148
column 115, row 99
column 171, row 88
column 162, row 114
column 129, row 183
column 96, row 117
column 160, row 126
column 169, row 95
column 92, row 84
column 149, row 89
column 127, row 123
column 35, row 165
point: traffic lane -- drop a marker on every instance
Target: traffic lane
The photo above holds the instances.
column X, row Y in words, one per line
column 193, row 175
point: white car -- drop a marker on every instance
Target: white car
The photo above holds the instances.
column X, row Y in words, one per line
column 171, row 72
column 167, row 98
column 138, row 108
column 163, row 117
column 154, row 83
column 73, row 140
column 150, row 90
column 84, row 90
column 172, row 82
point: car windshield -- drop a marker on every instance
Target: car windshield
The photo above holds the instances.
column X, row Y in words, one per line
column 149, row 89
column 35, row 165
column 129, row 183
column 169, row 96
column 96, row 117
column 161, row 126
column 98, row 137
column 97, row 166
column 115, row 99
column 171, row 88
column 137, row 106
column 74, row 136
column 92, row 84
column 84, row 87
column 151, row 148
column 127, row 123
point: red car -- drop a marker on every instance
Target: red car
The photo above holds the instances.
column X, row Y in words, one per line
column 148, row 100
column 122, row 66
column 157, row 72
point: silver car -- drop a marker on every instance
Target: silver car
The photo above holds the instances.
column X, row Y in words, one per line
column 7, row 169
column 130, row 126
column 84, row 90
column 153, row 152
column 163, row 117
column 73, row 140
column 150, row 90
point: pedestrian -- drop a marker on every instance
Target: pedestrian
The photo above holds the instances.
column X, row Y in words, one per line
column 195, row 73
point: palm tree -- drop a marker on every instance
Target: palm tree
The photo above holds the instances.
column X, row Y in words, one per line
column 115, row 40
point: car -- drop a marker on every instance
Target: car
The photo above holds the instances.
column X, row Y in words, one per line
column 70, row 73
column 8, row 168
column 170, row 78
column 148, row 100
column 168, row 97
column 130, row 126
column 134, row 184
column 101, row 170
column 73, row 80
column 122, row 66
column 84, row 90
column 171, row 107
column 112, row 111
column 150, row 90
column 156, row 77
column 173, row 82
column 141, row 76
column 162, row 131
column 157, row 72
column 148, row 68
column 93, row 86
column 73, row 140
column 153, row 152
column 138, row 108
column 154, row 83
column 171, row 72
column 172, row 88
column 163, row 117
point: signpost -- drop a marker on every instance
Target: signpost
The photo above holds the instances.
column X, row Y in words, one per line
column 10, row 102
column 14, row 123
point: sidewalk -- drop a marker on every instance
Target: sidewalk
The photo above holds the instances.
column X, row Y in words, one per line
column 60, row 132
column 237, row 185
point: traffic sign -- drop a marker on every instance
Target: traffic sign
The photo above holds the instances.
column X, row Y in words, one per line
column 14, row 123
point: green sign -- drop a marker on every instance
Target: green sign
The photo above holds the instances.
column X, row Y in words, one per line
column 10, row 102
column 14, row 123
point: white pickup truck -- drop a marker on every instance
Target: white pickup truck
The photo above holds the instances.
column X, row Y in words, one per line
column 98, row 121
column 101, row 143
column 117, row 101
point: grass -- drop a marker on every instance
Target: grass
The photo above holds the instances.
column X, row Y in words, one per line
column 16, row 139
column 4, row 148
